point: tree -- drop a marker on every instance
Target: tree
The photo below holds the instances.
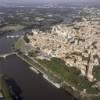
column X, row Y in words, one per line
column 26, row 39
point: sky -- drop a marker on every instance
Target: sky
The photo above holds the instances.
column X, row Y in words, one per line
column 45, row 1
column 49, row 0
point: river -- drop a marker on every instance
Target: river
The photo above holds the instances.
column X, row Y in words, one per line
column 33, row 86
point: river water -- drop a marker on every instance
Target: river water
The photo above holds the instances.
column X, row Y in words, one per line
column 33, row 86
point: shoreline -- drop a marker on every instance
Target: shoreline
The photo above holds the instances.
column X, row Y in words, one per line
column 47, row 77
column 38, row 71
column 37, row 68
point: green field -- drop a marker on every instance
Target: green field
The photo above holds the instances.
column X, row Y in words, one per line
column 69, row 74
column 20, row 43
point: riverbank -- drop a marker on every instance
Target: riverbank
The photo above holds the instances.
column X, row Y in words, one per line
column 32, row 64
column 49, row 77
column 33, row 86
column 38, row 69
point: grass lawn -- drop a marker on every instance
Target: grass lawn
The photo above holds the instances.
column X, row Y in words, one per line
column 20, row 43
column 69, row 74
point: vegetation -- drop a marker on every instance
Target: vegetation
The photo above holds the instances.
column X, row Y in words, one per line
column 95, row 98
column 30, row 33
column 4, row 89
column 26, row 39
column 69, row 74
column 32, row 53
column 96, row 72
column 20, row 43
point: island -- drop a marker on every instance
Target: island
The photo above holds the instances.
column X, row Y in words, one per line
column 9, row 90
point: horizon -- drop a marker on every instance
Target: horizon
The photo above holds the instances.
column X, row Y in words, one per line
column 46, row 1
column 30, row 3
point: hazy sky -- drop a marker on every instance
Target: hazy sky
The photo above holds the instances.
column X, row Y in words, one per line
column 46, row 0
column 42, row 1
